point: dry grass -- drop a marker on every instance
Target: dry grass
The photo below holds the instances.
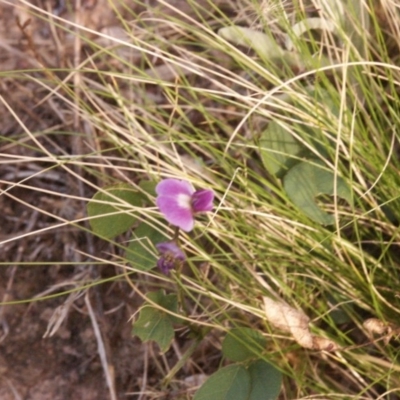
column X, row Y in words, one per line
column 94, row 93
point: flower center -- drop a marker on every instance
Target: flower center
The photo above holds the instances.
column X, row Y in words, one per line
column 169, row 260
column 185, row 201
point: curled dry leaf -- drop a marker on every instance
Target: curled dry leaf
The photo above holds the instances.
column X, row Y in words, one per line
column 290, row 320
column 375, row 326
column 295, row 322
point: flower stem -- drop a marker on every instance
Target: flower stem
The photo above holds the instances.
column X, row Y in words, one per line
column 175, row 238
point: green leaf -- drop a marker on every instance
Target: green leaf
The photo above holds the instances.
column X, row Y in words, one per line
column 240, row 344
column 116, row 200
column 265, row 380
column 141, row 252
column 279, row 149
column 305, row 181
column 155, row 323
column 341, row 308
column 167, row 301
column 228, row 383
column 148, row 187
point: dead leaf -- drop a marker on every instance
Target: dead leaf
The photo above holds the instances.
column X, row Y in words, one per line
column 295, row 322
column 375, row 326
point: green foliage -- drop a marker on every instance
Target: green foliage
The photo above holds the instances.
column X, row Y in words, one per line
column 110, row 215
column 110, row 210
column 154, row 323
column 241, row 344
column 141, row 253
column 279, row 149
column 305, row 181
column 149, row 187
column 258, row 380
column 265, row 380
column 228, row 383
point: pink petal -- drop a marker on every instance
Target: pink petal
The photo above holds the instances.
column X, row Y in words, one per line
column 174, row 213
column 173, row 187
column 202, row 200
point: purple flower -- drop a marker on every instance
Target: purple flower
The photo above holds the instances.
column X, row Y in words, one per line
column 171, row 256
column 179, row 202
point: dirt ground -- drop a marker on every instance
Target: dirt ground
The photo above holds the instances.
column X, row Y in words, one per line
column 66, row 365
